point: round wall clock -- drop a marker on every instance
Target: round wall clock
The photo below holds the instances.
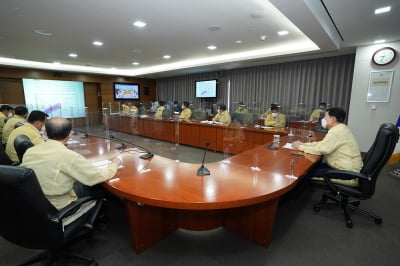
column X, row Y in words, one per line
column 384, row 56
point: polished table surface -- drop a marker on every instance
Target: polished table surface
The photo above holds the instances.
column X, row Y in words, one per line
column 162, row 195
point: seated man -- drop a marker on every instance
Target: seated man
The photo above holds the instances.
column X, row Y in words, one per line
column 186, row 113
column 275, row 119
column 222, row 116
column 5, row 113
column 58, row 168
column 133, row 110
column 124, row 109
column 21, row 113
column 242, row 109
column 339, row 147
column 315, row 115
column 160, row 110
column 36, row 121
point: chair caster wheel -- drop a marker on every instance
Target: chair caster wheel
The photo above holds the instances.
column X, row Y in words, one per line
column 349, row 223
column 316, row 208
column 378, row 220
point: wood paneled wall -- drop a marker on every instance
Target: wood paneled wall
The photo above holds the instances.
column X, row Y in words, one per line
column 98, row 88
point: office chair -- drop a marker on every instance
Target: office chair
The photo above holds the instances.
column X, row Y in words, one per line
column 21, row 144
column 29, row 220
column 374, row 160
column 18, row 125
column 4, row 159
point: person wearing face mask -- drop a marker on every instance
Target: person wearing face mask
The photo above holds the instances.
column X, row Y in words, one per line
column 339, row 147
column 160, row 110
column 36, row 122
column 5, row 112
column 21, row 113
column 242, row 109
column 186, row 113
column 316, row 114
column 222, row 116
column 275, row 119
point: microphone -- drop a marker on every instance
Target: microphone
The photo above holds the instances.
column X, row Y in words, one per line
column 145, row 156
column 203, row 170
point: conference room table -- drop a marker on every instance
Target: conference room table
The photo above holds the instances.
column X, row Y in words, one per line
column 161, row 195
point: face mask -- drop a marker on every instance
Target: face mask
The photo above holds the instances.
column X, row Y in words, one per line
column 323, row 122
column 10, row 115
column 274, row 115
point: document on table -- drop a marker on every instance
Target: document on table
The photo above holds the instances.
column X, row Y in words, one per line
column 288, row 146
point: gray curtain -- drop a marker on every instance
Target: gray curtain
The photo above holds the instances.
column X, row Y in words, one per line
column 296, row 86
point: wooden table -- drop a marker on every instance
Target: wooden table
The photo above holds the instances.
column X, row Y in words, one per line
column 195, row 134
column 162, row 195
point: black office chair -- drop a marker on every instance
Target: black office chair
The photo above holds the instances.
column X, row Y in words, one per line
column 21, row 144
column 29, row 220
column 374, row 160
column 19, row 124
column 4, row 159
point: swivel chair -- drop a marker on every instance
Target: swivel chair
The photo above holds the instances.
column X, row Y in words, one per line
column 21, row 144
column 374, row 160
column 4, row 159
column 29, row 220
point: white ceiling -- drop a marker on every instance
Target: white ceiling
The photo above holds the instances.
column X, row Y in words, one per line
column 180, row 28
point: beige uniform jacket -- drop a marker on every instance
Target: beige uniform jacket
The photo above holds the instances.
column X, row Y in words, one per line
column 159, row 112
column 315, row 114
column 185, row 115
column 28, row 130
column 223, row 117
column 10, row 125
column 279, row 121
column 57, row 168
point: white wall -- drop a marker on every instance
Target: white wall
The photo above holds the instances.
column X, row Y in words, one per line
column 363, row 121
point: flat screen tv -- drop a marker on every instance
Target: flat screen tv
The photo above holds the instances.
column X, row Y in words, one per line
column 206, row 88
column 126, row 91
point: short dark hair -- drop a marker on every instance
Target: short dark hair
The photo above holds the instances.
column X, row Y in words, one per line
column 20, row 110
column 222, row 107
column 37, row 115
column 161, row 103
column 186, row 104
column 274, row 107
column 338, row 113
column 6, row 107
column 58, row 128
column 322, row 104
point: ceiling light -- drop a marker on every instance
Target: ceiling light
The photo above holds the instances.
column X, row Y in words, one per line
column 43, row 32
column 135, row 63
column 214, row 28
column 238, row 41
column 73, row 55
column 167, row 56
column 97, row 43
column 139, row 24
column 382, row 10
column 379, row 41
column 212, row 47
column 283, row 32
column 263, row 37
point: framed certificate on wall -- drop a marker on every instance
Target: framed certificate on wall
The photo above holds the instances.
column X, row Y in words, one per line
column 380, row 83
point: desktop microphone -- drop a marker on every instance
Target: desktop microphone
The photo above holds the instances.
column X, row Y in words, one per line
column 203, row 170
column 145, row 156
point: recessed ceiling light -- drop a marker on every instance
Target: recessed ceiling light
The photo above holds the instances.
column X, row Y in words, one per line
column 139, row 24
column 238, row 41
column 43, row 32
column 382, row 10
column 167, row 56
column 214, row 28
column 212, row 47
column 73, row 55
column 379, row 41
column 263, row 37
column 135, row 63
column 97, row 43
column 283, row 32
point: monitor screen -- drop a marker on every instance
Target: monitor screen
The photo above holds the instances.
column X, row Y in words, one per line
column 55, row 97
column 206, row 88
column 126, row 91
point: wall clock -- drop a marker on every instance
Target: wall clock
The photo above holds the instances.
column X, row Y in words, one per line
column 384, row 56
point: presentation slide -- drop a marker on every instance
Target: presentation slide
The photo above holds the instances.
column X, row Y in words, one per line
column 55, row 97
column 206, row 89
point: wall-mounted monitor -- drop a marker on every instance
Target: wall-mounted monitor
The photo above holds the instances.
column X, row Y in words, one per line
column 126, row 91
column 206, row 88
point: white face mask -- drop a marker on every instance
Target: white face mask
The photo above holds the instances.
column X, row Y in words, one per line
column 323, row 122
column 274, row 115
column 10, row 115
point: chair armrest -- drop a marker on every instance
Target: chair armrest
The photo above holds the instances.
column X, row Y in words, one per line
column 69, row 209
column 344, row 175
